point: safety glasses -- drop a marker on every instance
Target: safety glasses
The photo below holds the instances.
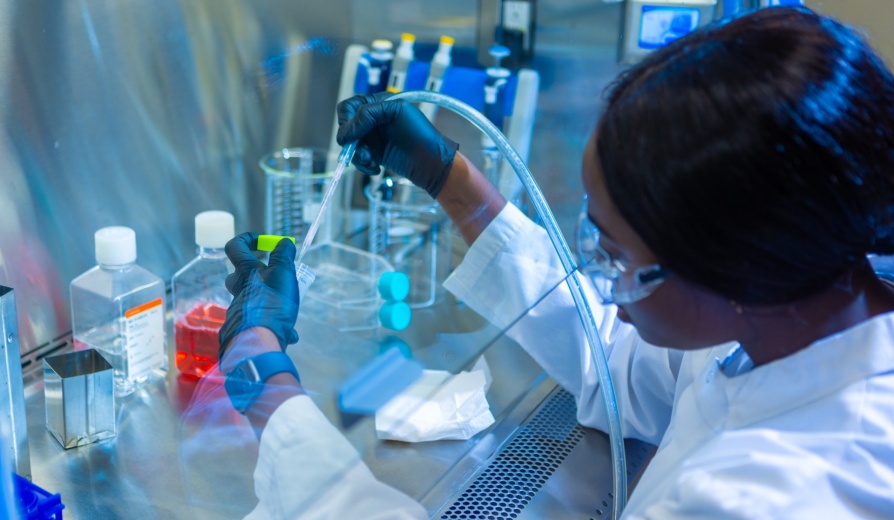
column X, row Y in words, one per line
column 614, row 281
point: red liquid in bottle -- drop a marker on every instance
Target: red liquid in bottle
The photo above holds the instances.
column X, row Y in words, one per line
column 195, row 336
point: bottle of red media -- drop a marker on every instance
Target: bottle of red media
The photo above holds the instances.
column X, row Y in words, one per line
column 200, row 295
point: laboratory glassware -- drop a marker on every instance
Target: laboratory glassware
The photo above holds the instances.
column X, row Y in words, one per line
column 118, row 308
column 411, row 231
column 296, row 181
column 345, row 292
column 200, row 296
column 323, row 211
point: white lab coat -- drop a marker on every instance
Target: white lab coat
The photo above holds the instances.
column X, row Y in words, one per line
column 807, row 436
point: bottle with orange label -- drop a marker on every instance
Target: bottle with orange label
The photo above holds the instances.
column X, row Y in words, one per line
column 118, row 308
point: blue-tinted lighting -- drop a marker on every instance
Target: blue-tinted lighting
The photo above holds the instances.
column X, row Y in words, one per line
column 662, row 25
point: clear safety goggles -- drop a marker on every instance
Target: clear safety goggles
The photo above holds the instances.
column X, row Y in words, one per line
column 614, row 281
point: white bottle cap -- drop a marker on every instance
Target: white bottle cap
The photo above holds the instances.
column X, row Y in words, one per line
column 115, row 245
column 382, row 45
column 214, row 229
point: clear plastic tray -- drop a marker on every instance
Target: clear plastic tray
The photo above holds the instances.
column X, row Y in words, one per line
column 344, row 293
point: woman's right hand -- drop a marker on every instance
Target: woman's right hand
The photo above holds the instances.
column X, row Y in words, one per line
column 398, row 136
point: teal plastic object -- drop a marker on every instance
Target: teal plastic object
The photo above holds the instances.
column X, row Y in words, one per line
column 395, row 315
column 394, row 286
column 393, row 342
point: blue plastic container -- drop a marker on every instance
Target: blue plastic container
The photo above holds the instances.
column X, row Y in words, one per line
column 35, row 503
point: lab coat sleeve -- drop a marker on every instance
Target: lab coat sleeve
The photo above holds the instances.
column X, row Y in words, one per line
column 511, row 266
column 308, row 470
column 777, row 479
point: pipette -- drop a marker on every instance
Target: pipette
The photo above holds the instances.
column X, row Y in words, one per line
column 344, row 159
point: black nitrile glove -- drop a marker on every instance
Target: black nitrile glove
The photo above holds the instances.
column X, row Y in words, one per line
column 396, row 135
column 263, row 295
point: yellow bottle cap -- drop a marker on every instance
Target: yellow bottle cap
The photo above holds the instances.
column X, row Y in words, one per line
column 408, row 37
column 268, row 242
column 447, row 40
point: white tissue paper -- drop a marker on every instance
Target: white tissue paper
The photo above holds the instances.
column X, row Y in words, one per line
column 439, row 406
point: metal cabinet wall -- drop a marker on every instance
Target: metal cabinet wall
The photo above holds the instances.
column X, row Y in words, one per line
column 143, row 113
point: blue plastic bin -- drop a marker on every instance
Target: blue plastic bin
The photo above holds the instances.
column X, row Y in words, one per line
column 35, row 503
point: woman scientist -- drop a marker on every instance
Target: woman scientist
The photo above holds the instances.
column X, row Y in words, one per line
column 735, row 185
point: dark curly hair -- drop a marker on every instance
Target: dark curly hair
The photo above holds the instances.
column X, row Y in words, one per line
column 755, row 156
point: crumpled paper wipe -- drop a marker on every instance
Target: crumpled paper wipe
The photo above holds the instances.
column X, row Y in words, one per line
column 438, row 406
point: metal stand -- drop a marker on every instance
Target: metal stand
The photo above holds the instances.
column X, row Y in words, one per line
column 12, row 404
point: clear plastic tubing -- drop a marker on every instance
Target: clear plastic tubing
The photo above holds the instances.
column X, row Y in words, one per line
column 619, row 463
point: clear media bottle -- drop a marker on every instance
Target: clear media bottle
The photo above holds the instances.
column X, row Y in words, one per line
column 118, row 308
column 200, row 295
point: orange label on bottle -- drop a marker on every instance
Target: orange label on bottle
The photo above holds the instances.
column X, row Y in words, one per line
column 130, row 313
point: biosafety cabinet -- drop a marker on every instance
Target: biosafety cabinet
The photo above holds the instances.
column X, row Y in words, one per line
column 146, row 113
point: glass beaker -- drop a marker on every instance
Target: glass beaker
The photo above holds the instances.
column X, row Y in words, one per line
column 296, row 180
column 411, row 231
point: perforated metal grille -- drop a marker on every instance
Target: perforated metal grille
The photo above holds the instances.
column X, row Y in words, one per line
column 512, row 479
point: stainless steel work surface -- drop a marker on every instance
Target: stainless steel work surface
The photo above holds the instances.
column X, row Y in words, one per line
column 177, row 455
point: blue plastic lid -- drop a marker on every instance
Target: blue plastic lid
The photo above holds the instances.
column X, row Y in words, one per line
column 499, row 51
column 395, row 315
column 394, row 286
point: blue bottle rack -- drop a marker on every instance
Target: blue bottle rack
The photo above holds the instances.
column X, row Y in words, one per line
column 36, row 504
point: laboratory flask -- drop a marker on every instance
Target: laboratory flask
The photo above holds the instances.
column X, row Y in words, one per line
column 296, row 180
column 200, row 295
column 411, row 231
column 118, row 308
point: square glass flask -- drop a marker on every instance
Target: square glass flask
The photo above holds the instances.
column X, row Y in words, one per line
column 80, row 398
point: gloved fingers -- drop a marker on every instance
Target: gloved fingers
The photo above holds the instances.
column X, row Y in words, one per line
column 283, row 255
column 346, row 111
column 280, row 273
column 367, row 118
column 363, row 161
column 236, row 281
column 347, row 108
column 239, row 251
